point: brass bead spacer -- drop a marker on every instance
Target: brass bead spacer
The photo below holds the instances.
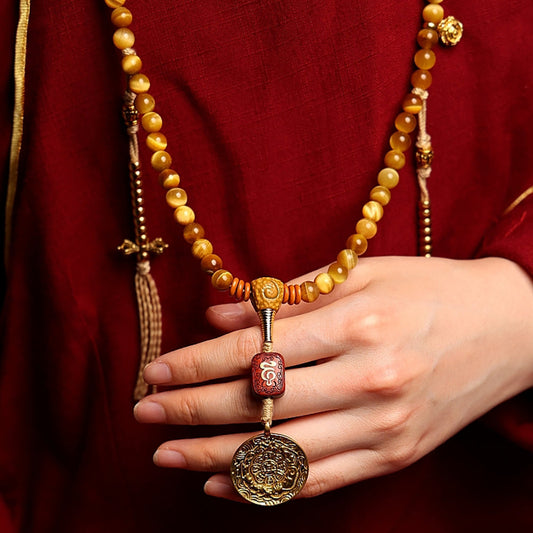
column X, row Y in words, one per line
column 130, row 115
column 424, row 157
column 450, row 31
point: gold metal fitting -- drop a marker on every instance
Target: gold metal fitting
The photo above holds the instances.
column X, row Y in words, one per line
column 450, row 31
column 424, row 157
column 130, row 115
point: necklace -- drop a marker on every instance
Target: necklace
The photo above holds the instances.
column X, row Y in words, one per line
column 270, row 468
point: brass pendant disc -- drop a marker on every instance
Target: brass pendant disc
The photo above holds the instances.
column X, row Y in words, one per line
column 269, row 469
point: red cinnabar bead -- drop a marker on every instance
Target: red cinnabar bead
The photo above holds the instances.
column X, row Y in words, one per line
column 268, row 375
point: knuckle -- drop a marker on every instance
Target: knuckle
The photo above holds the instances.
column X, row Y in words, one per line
column 210, row 459
column 401, row 456
column 393, row 421
column 248, row 343
column 315, row 486
column 387, row 378
column 189, row 411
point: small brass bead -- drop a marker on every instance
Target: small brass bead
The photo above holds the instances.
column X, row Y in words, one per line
column 358, row 243
column 427, row 239
column 123, row 38
column 426, row 221
column 325, row 283
column 427, row 248
column 367, row 228
column 347, row 258
column 184, row 215
column 139, row 83
column 176, row 197
column 222, row 280
column 161, row 160
column 144, row 103
column 201, row 248
column 373, row 211
column 426, row 230
column 310, row 291
column 380, row 194
column 169, row 178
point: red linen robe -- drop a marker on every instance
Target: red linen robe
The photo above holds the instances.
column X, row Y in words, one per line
column 278, row 115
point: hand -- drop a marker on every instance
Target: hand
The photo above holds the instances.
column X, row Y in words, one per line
column 408, row 351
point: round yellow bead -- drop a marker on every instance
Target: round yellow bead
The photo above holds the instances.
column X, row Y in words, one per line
column 176, row 197
column 325, row 283
column 421, row 79
column 222, row 280
column 152, row 122
column 161, row 160
column 380, row 194
column 373, row 211
column 310, row 291
column 427, row 38
column 193, row 232
column 156, row 141
column 123, row 38
column 338, row 273
column 131, row 64
column 201, row 247
column 115, row 3
column 139, row 83
column 184, row 215
column 211, row 263
column 425, row 59
column 347, row 258
column 121, row 17
column 367, row 228
column 412, row 103
column 433, row 13
column 169, row 178
column 144, row 103
column 400, row 141
column 435, row 1
column 405, row 122
column 357, row 243
column 394, row 159
column 388, row 177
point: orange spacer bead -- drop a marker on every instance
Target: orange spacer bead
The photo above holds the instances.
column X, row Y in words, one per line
column 286, row 293
column 247, row 291
column 233, row 288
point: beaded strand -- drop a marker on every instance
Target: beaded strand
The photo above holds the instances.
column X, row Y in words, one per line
column 372, row 212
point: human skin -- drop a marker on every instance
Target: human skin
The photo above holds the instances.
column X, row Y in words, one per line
column 408, row 351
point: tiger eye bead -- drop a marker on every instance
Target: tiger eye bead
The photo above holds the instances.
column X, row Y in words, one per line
column 338, row 273
column 156, row 141
column 176, row 197
column 193, row 232
column 222, row 280
column 357, row 243
column 367, row 228
column 347, row 258
column 144, row 103
column 131, row 64
column 425, row 59
column 412, row 103
column 152, row 122
column 421, row 79
column 123, row 38
column 394, row 159
column 373, row 211
column 400, row 141
column 211, row 263
column 201, row 248
column 427, row 38
column 388, row 177
column 115, row 3
column 139, row 83
column 169, row 178
column 380, row 194
column 325, row 283
column 161, row 160
column 310, row 291
column 184, row 215
column 121, row 17
column 433, row 13
column 405, row 122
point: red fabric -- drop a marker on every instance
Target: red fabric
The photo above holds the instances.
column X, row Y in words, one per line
column 285, row 104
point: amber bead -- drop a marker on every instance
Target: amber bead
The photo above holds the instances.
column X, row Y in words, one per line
column 121, row 17
column 347, row 258
column 131, row 64
column 357, row 243
column 380, row 194
column 169, row 178
column 152, row 122
column 123, row 38
column 156, row 141
column 115, row 3
column 325, row 283
column 433, row 13
column 211, row 263
column 388, row 177
column 184, row 215
column 435, row 1
column 338, row 273
column 425, row 59
column 421, row 79
column 373, row 211
column 394, row 159
column 201, row 248
column 176, row 197
column 144, row 103
column 412, row 103
column 139, row 83
column 366, row 227
column 222, row 280
column 427, row 38
column 161, row 160
column 405, row 122
column 310, row 291
column 193, row 232
column 400, row 141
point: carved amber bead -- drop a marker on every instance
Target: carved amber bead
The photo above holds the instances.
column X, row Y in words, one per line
column 373, row 211
column 201, row 248
column 338, row 273
column 405, row 122
column 139, row 83
column 425, row 59
column 176, row 197
column 193, row 232
column 357, row 243
column 152, row 122
column 367, row 228
column 325, row 283
column 211, row 263
column 394, row 159
column 121, row 17
column 421, row 79
column 161, row 160
column 156, row 141
column 222, row 280
column 388, row 177
column 123, row 38
column 347, row 258
column 144, row 103
column 310, row 291
column 380, row 194
column 131, row 64
column 184, row 215
column 169, row 178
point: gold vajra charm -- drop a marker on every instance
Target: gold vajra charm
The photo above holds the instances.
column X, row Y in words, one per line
column 270, row 468
column 450, row 31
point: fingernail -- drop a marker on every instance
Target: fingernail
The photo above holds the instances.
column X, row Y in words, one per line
column 151, row 412
column 228, row 311
column 219, row 487
column 170, row 458
column 157, row 372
